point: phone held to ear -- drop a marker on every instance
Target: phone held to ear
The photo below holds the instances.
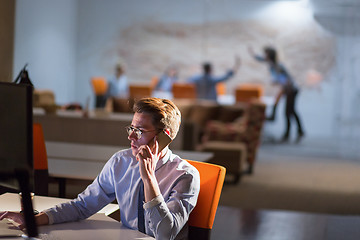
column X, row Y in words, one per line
column 163, row 140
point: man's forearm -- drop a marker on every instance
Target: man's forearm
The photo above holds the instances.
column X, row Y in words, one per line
column 42, row 219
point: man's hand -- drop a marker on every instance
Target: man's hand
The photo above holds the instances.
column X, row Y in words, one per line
column 148, row 159
column 17, row 217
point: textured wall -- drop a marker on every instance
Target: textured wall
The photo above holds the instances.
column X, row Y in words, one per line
column 151, row 46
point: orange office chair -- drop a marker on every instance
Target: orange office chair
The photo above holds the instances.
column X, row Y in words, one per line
column 154, row 81
column 184, row 90
column 220, row 88
column 211, row 182
column 100, row 87
column 41, row 173
column 249, row 91
column 140, row 91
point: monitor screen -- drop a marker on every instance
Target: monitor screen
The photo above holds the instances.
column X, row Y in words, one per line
column 16, row 141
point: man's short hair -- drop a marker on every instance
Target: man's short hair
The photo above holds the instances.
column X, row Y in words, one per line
column 207, row 67
column 165, row 114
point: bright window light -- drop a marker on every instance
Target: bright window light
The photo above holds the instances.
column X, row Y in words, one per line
column 289, row 11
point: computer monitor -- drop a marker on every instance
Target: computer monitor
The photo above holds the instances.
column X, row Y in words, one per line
column 16, row 144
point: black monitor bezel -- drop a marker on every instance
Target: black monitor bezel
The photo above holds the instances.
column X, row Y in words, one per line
column 29, row 119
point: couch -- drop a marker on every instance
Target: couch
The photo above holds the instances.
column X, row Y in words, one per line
column 232, row 135
column 200, row 112
column 231, row 132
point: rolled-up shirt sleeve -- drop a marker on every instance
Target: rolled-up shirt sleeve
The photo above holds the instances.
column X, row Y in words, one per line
column 97, row 195
column 225, row 77
column 165, row 219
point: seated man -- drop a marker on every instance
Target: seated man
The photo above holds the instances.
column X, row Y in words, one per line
column 170, row 185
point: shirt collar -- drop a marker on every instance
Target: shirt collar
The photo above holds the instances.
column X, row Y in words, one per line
column 164, row 159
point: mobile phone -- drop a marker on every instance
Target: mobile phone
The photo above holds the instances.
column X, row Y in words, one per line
column 163, row 140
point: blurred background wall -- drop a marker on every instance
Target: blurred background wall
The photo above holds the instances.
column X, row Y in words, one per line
column 67, row 42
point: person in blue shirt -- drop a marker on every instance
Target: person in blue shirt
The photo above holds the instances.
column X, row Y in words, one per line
column 155, row 189
column 289, row 89
column 206, row 83
column 167, row 80
column 118, row 84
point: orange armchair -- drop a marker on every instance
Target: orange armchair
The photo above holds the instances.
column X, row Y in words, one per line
column 202, row 217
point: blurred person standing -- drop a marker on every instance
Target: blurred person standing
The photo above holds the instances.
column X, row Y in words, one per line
column 118, row 84
column 167, row 80
column 206, row 83
column 280, row 76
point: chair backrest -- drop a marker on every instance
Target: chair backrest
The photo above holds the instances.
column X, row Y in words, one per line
column 99, row 85
column 41, row 173
column 211, row 182
column 248, row 92
column 184, row 90
column 154, row 81
column 220, row 88
column 140, row 91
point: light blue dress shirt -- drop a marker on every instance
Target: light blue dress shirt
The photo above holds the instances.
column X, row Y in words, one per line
column 280, row 75
column 118, row 87
column 165, row 83
column 166, row 216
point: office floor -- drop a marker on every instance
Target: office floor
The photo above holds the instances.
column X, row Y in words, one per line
column 307, row 177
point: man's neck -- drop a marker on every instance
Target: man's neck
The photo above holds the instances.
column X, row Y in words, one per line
column 163, row 152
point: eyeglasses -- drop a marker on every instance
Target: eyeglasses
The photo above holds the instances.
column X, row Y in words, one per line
column 138, row 132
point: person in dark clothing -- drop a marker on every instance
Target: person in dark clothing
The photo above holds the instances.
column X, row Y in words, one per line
column 288, row 89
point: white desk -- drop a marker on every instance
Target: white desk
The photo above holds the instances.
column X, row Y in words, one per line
column 98, row 226
column 85, row 161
